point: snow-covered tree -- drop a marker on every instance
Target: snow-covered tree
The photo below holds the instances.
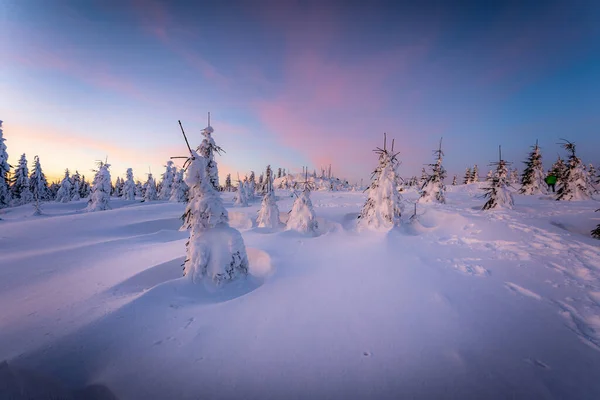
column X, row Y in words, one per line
column 207, row 149
column 467, row 178
column 454, row 181
column 383, row 207
column 150, row 193
column 268, row 215
column 514, row 176
column 423, row 177
column 596, row 232
column 302, row 216
column 497, row 193
column 38, row 186
column 84, row 189
column 251, row 186
column 139, row 189
column 167, row 181
column 180, row 189
column 64, row 193
column 489, row 175
column 283, row 173
column 117, row 188
column 5, row 195
column 52, row 190
column 558, row 169
column 129, row 186
column 20, row 192
column 574, row 184
column 474, row 174
column 434, row 189
column 591, row 179
column 240, row 197
column 214, row 250
column 533, row 178
column 76, row 186
column 228, row 186
column 101, row 188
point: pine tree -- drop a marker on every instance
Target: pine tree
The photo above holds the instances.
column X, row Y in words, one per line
column 129, row 186
column 497, row 191
column 214, row 250
column 383, row 207
column 64, row 193
column 467, row 178
column 20, row 188
column 207, row 149
column 268, row 215
column 434, row 189
column 180, row 190
column 251, row 185
column 75, row 186
column 558, row 170
column 150, row 193
column 533, row 178
column 167, row 181
column 38, row 186
column 302, row 216
column 573, row 185
column 475, row 174
column 101, row 188
column 228, row 187
column 5, row 195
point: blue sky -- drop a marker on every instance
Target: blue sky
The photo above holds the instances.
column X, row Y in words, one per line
column 293, row 83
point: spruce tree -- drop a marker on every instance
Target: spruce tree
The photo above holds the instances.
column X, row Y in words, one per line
column 596, row 232
column 38, row 186
column 207, row 149
column 76, row 186
column 84, row 189
column 5, row 195
column 228, row 186
column 558, row 169
column 573, row 185
column 167, row 181
column 64, row 193
column 129, row 186
column 52, row 190
column 514, row 176
column 240, row 196
column 454, row 181
column 215, row 251
column 302, row 216
column 251, row 185
column 497, row 191
column 383, row 207
column 180, row 189
column 20, row 192
column 150, row 193
column 533, row 178
column 591, row 179
column 434, row 189
column 268, row 215
column 474, row 174
column 101, row 188
column 467, row 178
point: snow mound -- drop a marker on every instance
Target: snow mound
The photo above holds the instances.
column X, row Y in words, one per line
column 240, row 220
column 260, row 265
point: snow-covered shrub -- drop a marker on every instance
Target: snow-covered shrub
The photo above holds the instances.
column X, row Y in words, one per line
column 214, row 250
column 533, row 178
column 383, row 207
column 101, row 187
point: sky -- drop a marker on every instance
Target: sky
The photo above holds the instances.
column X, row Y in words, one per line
column 297, row 83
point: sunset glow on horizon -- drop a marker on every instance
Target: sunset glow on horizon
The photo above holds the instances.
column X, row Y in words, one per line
column 294, row 83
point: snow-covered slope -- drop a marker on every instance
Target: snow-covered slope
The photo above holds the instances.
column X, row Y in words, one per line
column 459, row 303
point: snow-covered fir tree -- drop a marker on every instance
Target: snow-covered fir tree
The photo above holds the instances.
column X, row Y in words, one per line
column 139, row 189
column 101, row 188
column 180, row 189
column 214, row 251
column 117, row 188
column 558, row 169
column 383, row 207
column 167, row 181
column 150, row 193
column 5, row 194
column 251, row 185
column 207, row 149
column 85, row 188
column 302, row 217
column 240, row 196
column 474, row 174
column 283, row 173
column 533, row 178
column 591, row 179
column 129, row 185
column 38, row 186
column 20, row 192
column 596, row 232
column 467, row 178
column 454, row 181
column 268, row 215
column 489, row 175
column 64, row 193
column 514, row 176
column 228, row 187
column 434, row 189
column 497, row 193
column 574, row 184
column 76, row 186
column 52, row 190
column 423, row 177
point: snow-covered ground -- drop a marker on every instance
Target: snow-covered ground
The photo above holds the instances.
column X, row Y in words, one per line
column 460, row 303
